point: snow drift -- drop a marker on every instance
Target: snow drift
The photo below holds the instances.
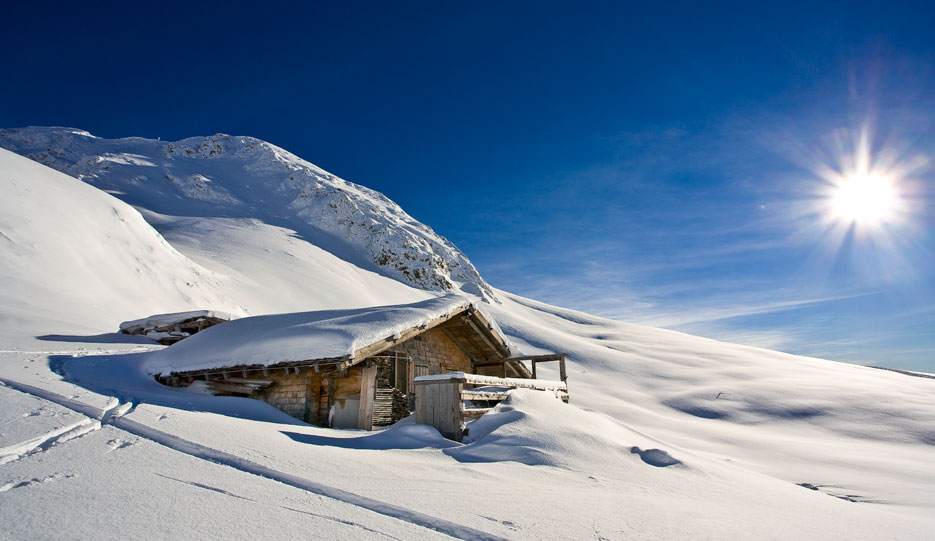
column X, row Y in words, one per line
column 78, row 256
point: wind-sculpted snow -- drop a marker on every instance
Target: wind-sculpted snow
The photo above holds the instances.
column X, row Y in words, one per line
column 243, row 177
column 82, row 258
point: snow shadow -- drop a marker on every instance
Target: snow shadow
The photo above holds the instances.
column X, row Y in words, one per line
column 403, row 435
column 106, row 338
column 123, row 377
column 655, row 457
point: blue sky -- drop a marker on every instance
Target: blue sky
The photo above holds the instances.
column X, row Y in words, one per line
column 657, row 164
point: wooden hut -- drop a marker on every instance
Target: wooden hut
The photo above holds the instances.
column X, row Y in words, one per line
column 341, row 368
column 168, row 329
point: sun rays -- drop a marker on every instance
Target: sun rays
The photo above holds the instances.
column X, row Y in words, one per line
column 865, row 207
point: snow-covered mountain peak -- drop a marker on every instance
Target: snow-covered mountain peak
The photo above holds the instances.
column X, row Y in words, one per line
column 244, row 177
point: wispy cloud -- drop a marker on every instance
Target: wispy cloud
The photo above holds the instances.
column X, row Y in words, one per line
column 704, row 231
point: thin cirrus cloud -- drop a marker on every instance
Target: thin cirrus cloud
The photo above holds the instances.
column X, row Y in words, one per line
column 721, row 232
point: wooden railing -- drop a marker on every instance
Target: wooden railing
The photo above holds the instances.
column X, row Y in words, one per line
column 440, row 399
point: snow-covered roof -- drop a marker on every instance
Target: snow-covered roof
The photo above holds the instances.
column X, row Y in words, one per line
column 168, row 320
column 281, row 339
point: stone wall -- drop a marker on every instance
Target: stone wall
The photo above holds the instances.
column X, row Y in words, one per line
column 435, row 349
column 295, row 394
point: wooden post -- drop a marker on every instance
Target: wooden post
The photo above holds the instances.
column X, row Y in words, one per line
column 533, row 368
column 367, row 389
column 561, row 369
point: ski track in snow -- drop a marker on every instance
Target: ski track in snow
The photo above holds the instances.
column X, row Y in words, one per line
column 46, row 441
column 114, row 415
column 239, row 497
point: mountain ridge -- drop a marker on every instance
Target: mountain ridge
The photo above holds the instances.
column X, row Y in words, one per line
column 239, row 176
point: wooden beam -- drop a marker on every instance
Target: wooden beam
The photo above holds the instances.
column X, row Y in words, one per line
column 473, row 413
column 538, row 358
column 367, row 391
column 518, row 368
column 486, row 364
column 250, row 381
column 470, row 322
column 476, row 314
column 483, row 395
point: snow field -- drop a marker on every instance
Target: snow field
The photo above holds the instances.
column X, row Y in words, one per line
column 81, row 421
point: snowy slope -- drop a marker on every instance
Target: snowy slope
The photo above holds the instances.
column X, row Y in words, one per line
column 77, row 256
column 667, row 435
column 243, row 177
column 860, row 430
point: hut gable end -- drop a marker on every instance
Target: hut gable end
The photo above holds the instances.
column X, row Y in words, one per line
column 435, row 351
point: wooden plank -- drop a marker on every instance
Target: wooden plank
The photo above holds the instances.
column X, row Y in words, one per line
column 474, row 413
column 425, row 400
column 437, row 379
column 492, row 363
column 249, row 381
column 367, row 382
column 330, row 402
column 522, row 383
column 540, row 358
column 468, row 394
column 223, row 387
column 448, row 411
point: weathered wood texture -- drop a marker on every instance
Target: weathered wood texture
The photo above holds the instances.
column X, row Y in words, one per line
column 367, row 395
column 534, row 359
column 469, row 394
column 438, row 404
column 446, row 401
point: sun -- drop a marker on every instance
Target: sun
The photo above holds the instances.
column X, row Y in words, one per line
column 865, row 192
column 864, row 199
